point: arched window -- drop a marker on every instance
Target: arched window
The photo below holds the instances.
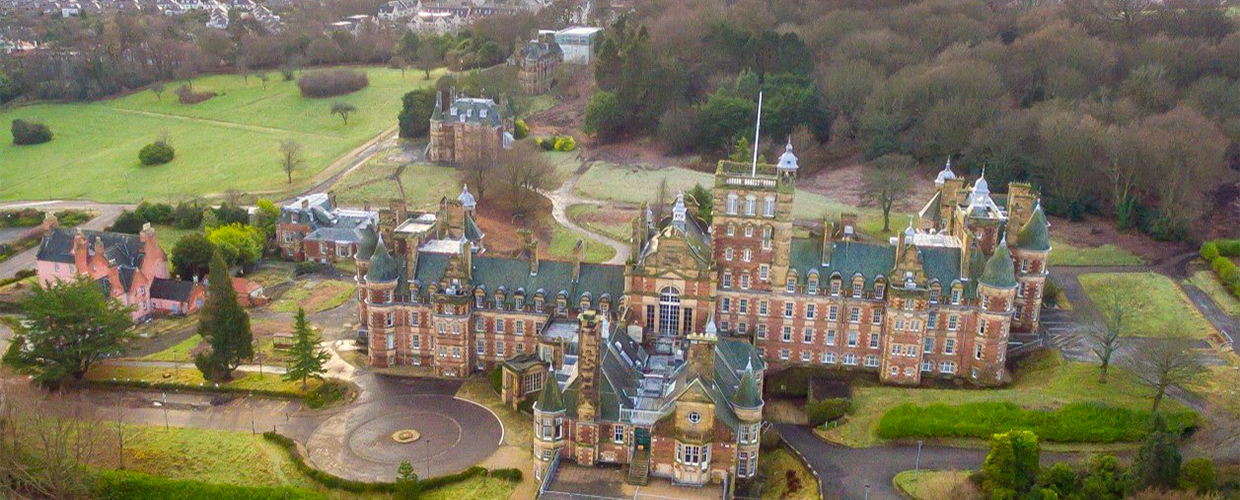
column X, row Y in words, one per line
column 812, row 286
column 767, row 232
column 936, row 291
column 732, row 202
column 731, row 229
column 751, row 203
column 669, row 311
column 768, row 206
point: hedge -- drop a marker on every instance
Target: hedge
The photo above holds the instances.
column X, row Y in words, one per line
column 825, row 410
column 1219, row 253
column 335, row 482
column 127, row 485
column 27, row 133
column 1074, row 423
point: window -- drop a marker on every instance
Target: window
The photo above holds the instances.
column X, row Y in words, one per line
column 766, row 237
column 414, row 318
column 850, row 359
column 828, row 358
column 742, row 327
column 953, row 321
column 854, row 315
column 764, row 272
column 805, row 356
column 669, row 311
column 478, row 300
column 810, row 310
column 747, row 255
column 871, row 361
column 947, row 367
column 791, row 285
column 873, row 341
column 617, row 433
column 725, row 304
column 956, row 295
column 985, row 302
column 768, row 206
column 1020, row 311
column 732, row 202
column 480, row 324
column 788, row 309
column 388, row 319
column 499, row 325
column 744, row 306
column 731, row 228
column 833, row 313
column 761, row 330
column 927, row 366
column 949, row 346
column 762, row 308
column 456, row 352
column 748, row 231
column 831, row 337
column 518, row 327
column 520, row 348
column 981, row 327
column 783, row 354
column 787, row 334
column 857, row 286
column 876, row 316
column 417, row 342
column 482, row 348
column 895, row 370
column 689, row 454
column 1020, row 289
column 728, row 253
column 928, row 345
column 977, row 351
column 852, row 339
column 727, row 279
column 695, row 417
column 742, row 464
column 650, row 317
column 935, row 291
column 879, row 289
column 835, row 288
column 931, row 319
column 751, row 203
column 808, row 335
column 812, row 287
column 1024, row 266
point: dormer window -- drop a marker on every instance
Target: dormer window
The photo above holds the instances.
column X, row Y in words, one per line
column 879, row 289
column 482, row 113
column 956, row 292
column 520, row 302
column 935, row 290
column 858, row 286
column 538, row 303
column 812, row 286
column 835, row 287
column 791, row 285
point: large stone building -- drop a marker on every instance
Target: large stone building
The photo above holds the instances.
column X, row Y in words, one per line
column 646, row 364
column 536, row 62
column 470, row 129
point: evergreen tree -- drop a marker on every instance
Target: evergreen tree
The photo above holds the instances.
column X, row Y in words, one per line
column 65, row 329
column 225, row 326
column 308, row 357
column 1158, row 460
column 1011, row 467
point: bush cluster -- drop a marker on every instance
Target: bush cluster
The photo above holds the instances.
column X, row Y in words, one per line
column 496, row 378
column 1219, row 253
column 25, row 217
column 1074, row 423
column 825, row 410
column 306, row 267
column 330, row 83
column 513, row 475
column 26, row 133
column 186, row 95
column 329, row 392
column 156, row 153
column 128, row 485
column 556, row 143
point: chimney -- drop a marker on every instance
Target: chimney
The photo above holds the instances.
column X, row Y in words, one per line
column 98, row 248
column 579, row 254
column 828, row 233
column 366, row 205
column 331, row 198
column 147, row 235
column 531, row 248
column 50, row 222
column 467, row 259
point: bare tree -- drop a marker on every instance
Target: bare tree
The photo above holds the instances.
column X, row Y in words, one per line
column 522, row 171
column 478, row 172
column 47, row 441
column 158, row 90
column 343, row 109
column 1162, row 363
column 263, row 77
column 1116, row 308
column 290, row 157
column 886, row 181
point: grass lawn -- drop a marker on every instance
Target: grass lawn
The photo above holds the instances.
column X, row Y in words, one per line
column 94, row 153
column 581, row 214
column 168, row 236
column 477, row 487
column 1065, row 254
column 518, row 427
column 936, row 484
column 165, row 324
column 181, row 352
column 192, row 378
column 1044, row 381
column 424, row 184
column 1158, row 302
column 1208, row 282
column 272, row 273
column 314, row 296
column 774, row 466
column 564, row 240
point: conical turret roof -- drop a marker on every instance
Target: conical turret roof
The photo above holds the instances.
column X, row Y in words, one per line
column 366, row 247
column 1000, row 273
column 1035, row 236
column 551, row 399
column 748, row 394
column 383, row 267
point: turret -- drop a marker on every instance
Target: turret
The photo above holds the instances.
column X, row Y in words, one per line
column 996, row 292
column 747, row 402
column 548, row 426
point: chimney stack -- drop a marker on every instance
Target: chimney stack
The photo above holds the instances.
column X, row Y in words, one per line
column 579, row 254
column 331, row 198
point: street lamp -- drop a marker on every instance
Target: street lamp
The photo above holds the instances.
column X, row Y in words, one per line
column 867, row 491
column 917, row 466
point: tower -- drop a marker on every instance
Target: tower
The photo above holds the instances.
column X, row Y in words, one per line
column 752, row 222
column 907, row 308
column 747, row 404
column 468, row 203
column 586, row 430
column 548, row 426
column 996, row 293
column 1032, row 248
column 380, row 290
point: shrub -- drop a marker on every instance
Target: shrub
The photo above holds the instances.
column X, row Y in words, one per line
column 565, row 143
column 156, row 153
column 526, row 405
column 496, row 378
column 1051, row 294
column 70, row 218
column 329, row 392
column 1209, row 251
column 26, row 133
column 127, row 222
column 415, row 112
column 330, row 83
column 1228, row 248
column 306, row 267
column 1198, row 475
column 155, row 213
column 127, row 485
column 513, row 475
column 187, row 215
column 770, row 440
column 1074, row 423
column 825, row 410
column 186, row 95
column 520, row 130
column 25, row 217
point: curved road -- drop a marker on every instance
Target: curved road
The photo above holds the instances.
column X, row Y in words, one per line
column 565, row 197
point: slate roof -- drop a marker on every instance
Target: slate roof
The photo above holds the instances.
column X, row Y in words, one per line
column 1000, row 272
column 119, row 248
column 336, row 234
column 550, row 399
column 366, row 247
column 475, row 110
column 176, row 290
column 383, row 267
column 553, row 277
column 535, row 50
column 1035, row 236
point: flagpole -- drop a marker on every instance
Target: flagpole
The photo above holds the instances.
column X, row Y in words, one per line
column 757, row 128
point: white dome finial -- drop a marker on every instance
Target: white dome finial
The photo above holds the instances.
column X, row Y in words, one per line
column 946, row 174
column 788, row 161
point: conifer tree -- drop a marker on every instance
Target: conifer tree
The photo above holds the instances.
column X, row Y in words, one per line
column 225, row 326
column 1158, row 460
column 308, row 357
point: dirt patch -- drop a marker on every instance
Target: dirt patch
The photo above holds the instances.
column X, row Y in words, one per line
column 572, row 91
column 844, row 184
column 640, row 151
column 1097, row 231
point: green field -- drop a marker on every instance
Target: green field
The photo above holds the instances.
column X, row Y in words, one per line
column 227, row 142
column 563, row 241
column 935, row 484
column 1159, row 303
column 424, row 185
column 168, row 236
column 1044, row 381
column 1208, row 282
column 1065, row 254
column 615, row 231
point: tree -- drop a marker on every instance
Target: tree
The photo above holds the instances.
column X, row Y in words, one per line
column 886, row 181
column 266, row 218
column 239, row 244
column 264, row 77
column 604, row 117
column 307, row 356
column 127, row 222
column 427, row 57
column 398, row 62
column 520, row 173
column 1011, row 466
column 224, row 325
column 343, row 109
column 290, row 157
column 406, row 481
column 48, row 443
column 66, row 327
column 1163, row 363
column 703, row 203
column 192, row 255
column 415, row 112
column 1158, row 460
column 1117, row 308
column 1104, row 480
column 158, row 90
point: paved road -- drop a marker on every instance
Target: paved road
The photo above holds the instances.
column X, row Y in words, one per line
column 845, row 472
column 107, row 213
column 565, row 197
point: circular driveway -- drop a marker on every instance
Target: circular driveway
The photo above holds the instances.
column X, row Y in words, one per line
column 357, row 443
